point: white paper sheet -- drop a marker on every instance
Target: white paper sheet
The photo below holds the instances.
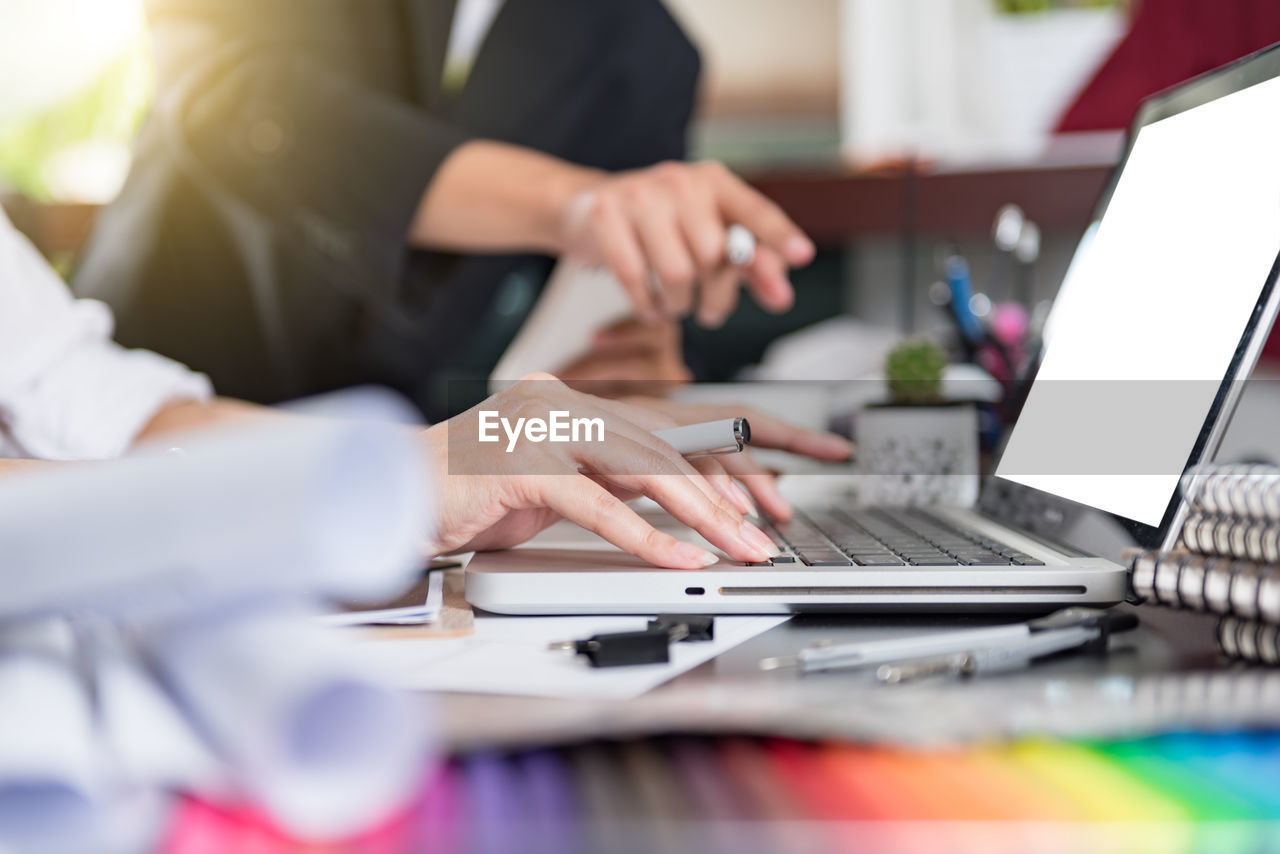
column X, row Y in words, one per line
column 410, row 615
column 509, row 655
column 577, row 302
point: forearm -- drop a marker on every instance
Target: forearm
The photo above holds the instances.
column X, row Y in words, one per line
column 174, row 419
column 498, row 197
column 186, row 416
column 8, row 467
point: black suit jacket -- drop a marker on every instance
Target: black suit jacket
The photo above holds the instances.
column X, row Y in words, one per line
column 260, row 235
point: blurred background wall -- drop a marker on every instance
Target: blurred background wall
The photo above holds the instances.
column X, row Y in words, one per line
column 893, row 130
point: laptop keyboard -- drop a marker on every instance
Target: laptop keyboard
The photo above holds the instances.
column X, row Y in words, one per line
column 888, row 537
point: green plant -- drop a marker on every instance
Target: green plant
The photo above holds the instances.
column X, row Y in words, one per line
column 1020, row 7
column 914, row 371
column 107, row 110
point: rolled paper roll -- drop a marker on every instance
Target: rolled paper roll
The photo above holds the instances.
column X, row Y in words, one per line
column 58, row 789
column 321, row 745
column 335, row 508
column 149, row 739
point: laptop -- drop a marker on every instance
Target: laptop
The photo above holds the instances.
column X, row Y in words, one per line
column 1159, row 320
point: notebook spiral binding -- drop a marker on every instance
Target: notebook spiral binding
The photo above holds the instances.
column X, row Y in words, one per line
column 1248, row 539
column 1249, row 640
column 1245, row 491
column 1228, row 560
column 1217, row 585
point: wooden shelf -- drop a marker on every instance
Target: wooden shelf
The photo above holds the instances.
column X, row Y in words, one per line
column 56, row 229
column 833, row 205
column 836, row 206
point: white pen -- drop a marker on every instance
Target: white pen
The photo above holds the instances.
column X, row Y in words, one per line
column 727, row 436
column 997, row 659
column 739, row 250
column 1026, row 637
column 840, row 656
column 740, row 245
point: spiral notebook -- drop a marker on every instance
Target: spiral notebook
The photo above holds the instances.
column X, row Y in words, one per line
column 1255, row 641
column 1247, row 539
column 1246, row 491
column 1218, row 585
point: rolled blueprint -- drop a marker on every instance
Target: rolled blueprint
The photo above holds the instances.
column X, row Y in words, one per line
column 322, row 746
column 147, row 737
column 290, row 504
column 58, row 791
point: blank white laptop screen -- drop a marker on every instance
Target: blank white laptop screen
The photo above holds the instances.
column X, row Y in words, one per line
column 1153, row 308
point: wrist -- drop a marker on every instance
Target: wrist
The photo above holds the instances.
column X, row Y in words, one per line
column 435, row 459
column 567, row 190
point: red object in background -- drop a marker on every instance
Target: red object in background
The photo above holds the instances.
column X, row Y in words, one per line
column 1171, row 41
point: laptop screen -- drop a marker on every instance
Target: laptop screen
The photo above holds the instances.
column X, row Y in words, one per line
column 1153, row 310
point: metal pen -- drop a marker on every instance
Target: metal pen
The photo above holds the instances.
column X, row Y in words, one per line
column 820, row 657
column 998, row 659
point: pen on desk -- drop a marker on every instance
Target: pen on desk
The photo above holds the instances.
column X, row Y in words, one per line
column 1022, row 636
column 1092, row 631
column 726, row 436
column 817, row 658
column 998, row 659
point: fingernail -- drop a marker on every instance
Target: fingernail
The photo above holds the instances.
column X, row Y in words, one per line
column 691, row 553
column 778, row 506
column 837, row 444
column 742, row 500
column 710, row 321
column 758, row 539
column 799, row 250
column 734, row 497
column 785, row 299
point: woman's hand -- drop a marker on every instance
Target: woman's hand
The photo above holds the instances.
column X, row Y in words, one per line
column 662, row 231
column 666, row 225
column 766, row 432
column 491, row 497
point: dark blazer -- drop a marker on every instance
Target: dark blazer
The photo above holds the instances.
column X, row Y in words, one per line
column 260, row 234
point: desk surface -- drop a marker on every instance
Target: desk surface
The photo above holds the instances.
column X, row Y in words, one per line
column 1071, row 695
column 1148, row 683
column 746, row 795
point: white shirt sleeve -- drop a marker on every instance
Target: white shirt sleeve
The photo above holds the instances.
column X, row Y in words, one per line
column 67, row 391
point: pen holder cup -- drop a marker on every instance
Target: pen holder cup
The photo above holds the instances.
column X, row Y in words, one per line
column 918, row 454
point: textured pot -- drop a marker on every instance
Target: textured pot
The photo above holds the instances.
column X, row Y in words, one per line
column 918, row 454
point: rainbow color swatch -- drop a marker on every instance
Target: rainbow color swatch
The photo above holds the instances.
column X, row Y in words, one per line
column 1168, row 794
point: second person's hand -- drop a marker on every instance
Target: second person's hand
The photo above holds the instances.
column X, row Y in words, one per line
column 663, row 231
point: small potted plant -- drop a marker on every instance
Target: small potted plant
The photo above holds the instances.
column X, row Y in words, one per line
column 918, row 447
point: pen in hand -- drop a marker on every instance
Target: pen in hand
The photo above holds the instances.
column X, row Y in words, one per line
column 726, row 436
